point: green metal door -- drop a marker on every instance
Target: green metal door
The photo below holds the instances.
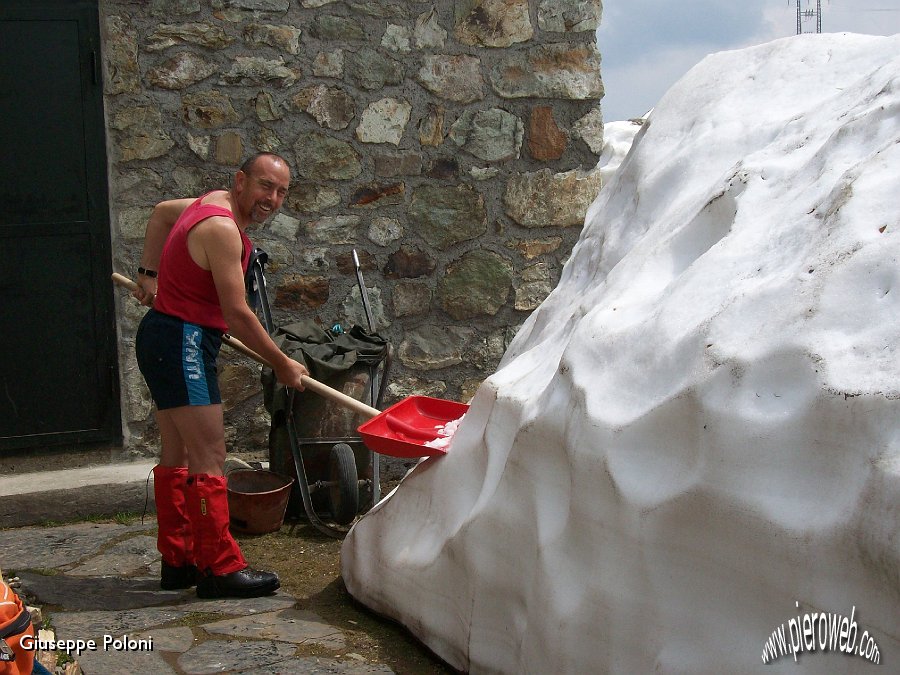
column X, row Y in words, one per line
column 58, row 364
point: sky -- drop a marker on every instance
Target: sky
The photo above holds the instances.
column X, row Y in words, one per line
column 647, row 45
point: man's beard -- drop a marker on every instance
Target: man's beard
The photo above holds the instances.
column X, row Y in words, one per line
column 259, row 215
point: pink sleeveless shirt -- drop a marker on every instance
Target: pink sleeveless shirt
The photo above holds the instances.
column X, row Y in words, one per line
column 185, row 289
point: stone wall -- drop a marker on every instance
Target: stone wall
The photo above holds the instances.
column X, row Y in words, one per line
column 451, row 143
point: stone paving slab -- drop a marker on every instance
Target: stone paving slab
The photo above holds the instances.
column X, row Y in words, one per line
column 317, row 665
column 102, row 662
column 99, row 580
column 33, row 548
column 217, row 656
column 242, row 607
column 96, row 624
column 287, row 625
column 97, row 593
column 125, row 558
column 178, row 639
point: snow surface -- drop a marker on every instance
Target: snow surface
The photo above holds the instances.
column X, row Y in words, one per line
column 445, row 434
column 696, row 437
column 618, row 138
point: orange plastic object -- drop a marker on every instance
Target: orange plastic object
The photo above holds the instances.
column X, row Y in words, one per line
column 403, row 429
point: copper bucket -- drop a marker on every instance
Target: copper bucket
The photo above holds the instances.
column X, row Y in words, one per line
column 257, row 500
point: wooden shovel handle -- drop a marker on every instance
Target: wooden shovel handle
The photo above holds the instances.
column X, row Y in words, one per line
column 324, row 390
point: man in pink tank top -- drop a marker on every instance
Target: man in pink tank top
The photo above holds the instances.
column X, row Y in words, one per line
column 192, row 276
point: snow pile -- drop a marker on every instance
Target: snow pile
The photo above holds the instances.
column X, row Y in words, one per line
column 618, row 138
column 696, row 438
column 444, row 434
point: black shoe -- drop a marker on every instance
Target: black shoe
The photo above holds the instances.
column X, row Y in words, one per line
column 175, row 578
column 245, row 583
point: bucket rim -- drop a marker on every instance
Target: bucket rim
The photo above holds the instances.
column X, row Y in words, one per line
column 288, row 481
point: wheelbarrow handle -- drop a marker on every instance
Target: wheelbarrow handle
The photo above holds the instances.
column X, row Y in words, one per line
column 319, row 388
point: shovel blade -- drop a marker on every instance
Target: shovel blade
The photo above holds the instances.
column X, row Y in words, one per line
column 403, row 429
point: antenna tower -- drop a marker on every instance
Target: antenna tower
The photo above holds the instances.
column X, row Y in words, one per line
column 809, row 14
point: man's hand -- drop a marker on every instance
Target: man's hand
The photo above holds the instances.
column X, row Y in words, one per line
column 145, row 291
column 290, row 372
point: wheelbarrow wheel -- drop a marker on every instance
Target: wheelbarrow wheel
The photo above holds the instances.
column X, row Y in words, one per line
column 344, row 490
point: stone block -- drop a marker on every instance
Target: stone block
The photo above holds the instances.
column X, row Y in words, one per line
column 590, row 129
column 384, row 121
column 230, row 149
column 197, row 34
column 382, row 9
column 389, row 166
column 331, row 107
column 284, row 38
column 353, row 312
column 547, row 199
column 492, row 23
column 384, row 231
column 455, row 77
column 396, row 39
column 378, row 195
column 254, row 5
column 143, row 136
column 546, row 141
column 312, row 197
column 238, row 382
column 337, row 29
column 492, row 135
column 282, row 225
column 329, row 64
column 122, row 74
column 476, row 284
column 334, row 229
column 534, row 286
column 169, row 8
column 266, row 108
column 569, row 16
column 321, row 157
column 346, row 266
column 268, row 141
column 448, row 215
column 208, row 110
column 181, row 71
column 411, row 299
column 443, row 168
column 302, row 292
column 255, row 70
column 133, row 221
column 550, row 71
column 408, row 263
column 199, row 145
column 434, row 347
column 373, row 71
column 431, row 127
column 532, row 248
column 428, row 33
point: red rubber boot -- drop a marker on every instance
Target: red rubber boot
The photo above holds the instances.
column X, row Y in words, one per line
column 174, row 539
column 223, row 572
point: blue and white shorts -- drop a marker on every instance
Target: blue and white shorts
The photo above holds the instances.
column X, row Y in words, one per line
column 178, row 361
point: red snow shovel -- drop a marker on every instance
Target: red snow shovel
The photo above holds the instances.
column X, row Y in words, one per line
column 403, row 430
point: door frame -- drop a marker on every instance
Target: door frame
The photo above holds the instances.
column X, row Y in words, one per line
column 105, row 353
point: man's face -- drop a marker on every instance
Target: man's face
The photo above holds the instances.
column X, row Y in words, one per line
column 261, row 192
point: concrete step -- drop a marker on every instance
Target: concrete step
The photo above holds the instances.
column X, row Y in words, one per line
column 39, row 497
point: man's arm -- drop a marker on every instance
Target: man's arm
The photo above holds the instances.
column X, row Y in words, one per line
column 222, row 247
column 158, row 227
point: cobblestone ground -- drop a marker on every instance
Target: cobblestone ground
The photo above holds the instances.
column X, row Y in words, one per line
column 100, row 581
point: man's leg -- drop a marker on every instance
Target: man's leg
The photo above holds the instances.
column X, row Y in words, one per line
column 223, row 570
column 174, row 539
